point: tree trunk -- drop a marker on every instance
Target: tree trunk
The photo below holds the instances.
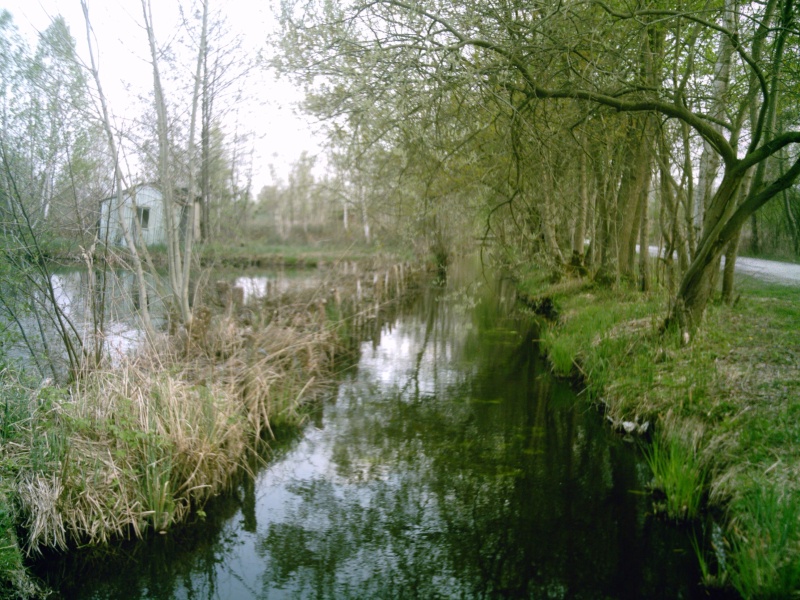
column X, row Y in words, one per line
column 688, row 175
column 755, row 241
column 697, row 283
column 362, row 201
column 179, row 263
column 628, row 198
column 579, row 233
column 644, row 243
column 730, row 267
column 601, row 243
column 792, row 220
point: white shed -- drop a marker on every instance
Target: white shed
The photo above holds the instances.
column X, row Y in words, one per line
column 149, row 213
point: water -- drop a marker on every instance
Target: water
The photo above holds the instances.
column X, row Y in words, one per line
column 121, row 332
column 449, row 464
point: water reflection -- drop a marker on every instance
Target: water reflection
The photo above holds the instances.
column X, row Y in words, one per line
column 80, row 293
column 260, row 285
column 99, row 307
column 450, row 465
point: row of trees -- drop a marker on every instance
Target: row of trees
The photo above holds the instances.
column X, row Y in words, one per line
column 64, row 148
column 339, row 201
column 551, row 123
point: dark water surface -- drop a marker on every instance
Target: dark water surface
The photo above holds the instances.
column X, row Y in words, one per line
column 448, row 465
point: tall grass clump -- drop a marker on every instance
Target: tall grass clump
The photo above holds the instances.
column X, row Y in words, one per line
column 566, row 347
column 678, row 471
column 135, row 449
column 764, row 535
column 14, row 581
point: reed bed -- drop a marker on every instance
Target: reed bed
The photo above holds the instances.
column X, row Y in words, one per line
column 135, row 449
column 130, row 451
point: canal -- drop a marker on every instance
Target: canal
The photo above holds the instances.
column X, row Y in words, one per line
column 447, row 463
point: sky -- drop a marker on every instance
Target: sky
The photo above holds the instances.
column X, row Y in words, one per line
column 280, row 133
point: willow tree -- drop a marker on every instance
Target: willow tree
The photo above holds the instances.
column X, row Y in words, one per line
column 610, row 56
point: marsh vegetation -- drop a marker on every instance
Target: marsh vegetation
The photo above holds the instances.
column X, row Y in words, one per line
column 553, row 139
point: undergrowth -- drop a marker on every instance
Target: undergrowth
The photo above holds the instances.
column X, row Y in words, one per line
column 135, row 449
column 678, row 471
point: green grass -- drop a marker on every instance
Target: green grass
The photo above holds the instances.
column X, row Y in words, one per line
column 738, row 382
column 677, row 472
column 297, row 255
column 13, row 578
column 15, row 412
column 765, row 541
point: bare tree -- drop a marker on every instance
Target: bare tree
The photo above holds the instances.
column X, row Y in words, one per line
column 179, row 260
column 119, row 180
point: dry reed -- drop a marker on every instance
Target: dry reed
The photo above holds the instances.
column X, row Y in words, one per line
column 134, row 449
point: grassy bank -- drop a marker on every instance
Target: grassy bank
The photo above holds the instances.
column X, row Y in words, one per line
column 259, row 254
column 723, row 412
column 253, row 253
column 131, row 450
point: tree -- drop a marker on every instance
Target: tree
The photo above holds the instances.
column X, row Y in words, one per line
column 224, row 77
column 119, row 185
column 179, row 261
column 397, row 56
column 47, row 156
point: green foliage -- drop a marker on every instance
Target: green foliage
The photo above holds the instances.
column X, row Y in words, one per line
column 157, row 491
column 257, row 253
column 14, row 406
column 48, row 184
column 17, row 407
column 13, row 579
column 737, row 382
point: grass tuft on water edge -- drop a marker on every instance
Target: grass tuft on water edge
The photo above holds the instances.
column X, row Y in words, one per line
column 136, row 448
column 765, row 542
column 678, row 472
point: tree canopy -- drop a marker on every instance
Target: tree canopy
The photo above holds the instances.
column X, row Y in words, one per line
column 553, row 113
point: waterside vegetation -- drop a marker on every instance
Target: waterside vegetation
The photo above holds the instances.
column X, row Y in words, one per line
column 132, row 450
column 721, row 414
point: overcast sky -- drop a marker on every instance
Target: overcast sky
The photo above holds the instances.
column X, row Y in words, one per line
column 279, row 134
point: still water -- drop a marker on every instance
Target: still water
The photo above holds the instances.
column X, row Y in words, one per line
column 447, row 464
column 79, row 293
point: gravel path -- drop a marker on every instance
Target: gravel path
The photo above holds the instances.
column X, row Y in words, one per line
column 766, row 270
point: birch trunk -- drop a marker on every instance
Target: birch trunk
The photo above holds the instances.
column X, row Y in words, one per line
column 144, row 311
column 179, row 262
